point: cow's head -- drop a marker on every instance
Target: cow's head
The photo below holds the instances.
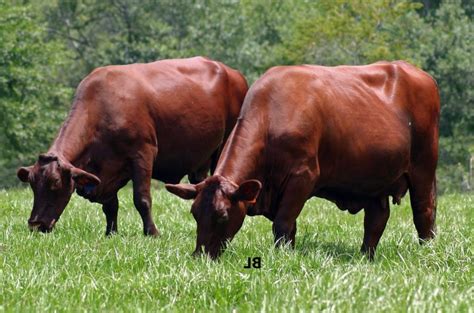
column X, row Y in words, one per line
column 53, row 182
column 219, row 209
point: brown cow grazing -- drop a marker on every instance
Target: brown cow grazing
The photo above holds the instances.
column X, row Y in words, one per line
column 354, row 135
column 136, row 122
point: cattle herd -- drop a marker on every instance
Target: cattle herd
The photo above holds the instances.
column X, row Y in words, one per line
column 355, row 135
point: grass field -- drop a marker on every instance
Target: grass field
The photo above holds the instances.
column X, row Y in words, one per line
column 76, row 268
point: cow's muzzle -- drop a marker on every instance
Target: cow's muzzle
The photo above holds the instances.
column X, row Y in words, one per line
column 42, row 226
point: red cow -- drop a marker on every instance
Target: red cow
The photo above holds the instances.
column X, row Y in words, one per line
column 136, row 122
column 354, row 135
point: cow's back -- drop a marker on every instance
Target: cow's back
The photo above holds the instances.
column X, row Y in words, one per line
column 185, row 108
column 353, row 125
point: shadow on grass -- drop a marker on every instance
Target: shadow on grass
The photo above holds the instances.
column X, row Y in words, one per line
column 350, row 253
column 342, row 252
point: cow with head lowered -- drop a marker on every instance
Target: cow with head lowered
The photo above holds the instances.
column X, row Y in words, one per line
column 355, row 135
column 161, row 120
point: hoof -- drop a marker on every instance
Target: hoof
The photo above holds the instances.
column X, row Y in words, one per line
column 196, row 254
column 110, row 233
column 368, row 252
column 152, row 232
column 425, row 238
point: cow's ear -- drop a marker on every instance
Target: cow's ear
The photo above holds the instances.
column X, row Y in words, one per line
column 23, row 173
column 83, row 178
column 248, row 191
column 184, row 191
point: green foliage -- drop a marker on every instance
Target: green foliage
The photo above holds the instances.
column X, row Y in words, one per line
column 453, row 169
column 353, row 32
column 452, row 178
column 47, row 48
column 75, row 268
column 30, row 98
column 449, row 58
column 447, row 50
column 100, row 33
column 120, row 32
column 240, row 34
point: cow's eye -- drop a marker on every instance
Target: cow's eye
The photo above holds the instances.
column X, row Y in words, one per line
column 55, row 184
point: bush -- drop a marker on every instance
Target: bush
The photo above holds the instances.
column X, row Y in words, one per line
column 31, row 100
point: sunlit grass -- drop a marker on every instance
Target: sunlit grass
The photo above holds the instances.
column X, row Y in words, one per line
column 76, row 268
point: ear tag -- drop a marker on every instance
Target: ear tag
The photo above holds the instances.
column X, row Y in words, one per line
column 89, row 187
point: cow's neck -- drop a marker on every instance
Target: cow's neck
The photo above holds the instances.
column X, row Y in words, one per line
column 246, row 156
column 75, row 137
column 243, row 155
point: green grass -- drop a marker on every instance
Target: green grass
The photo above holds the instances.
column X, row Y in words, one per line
column 76, row 268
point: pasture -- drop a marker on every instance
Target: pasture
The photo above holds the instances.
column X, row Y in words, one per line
column 76, row 268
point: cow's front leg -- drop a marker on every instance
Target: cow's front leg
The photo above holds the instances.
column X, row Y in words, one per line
column 375, row 220
column 110, row 209
column 297, row 191
column 284, row 233
column 141, row 177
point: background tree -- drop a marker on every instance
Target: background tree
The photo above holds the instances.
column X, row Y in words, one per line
column 335, row 32
column 31, row 99
column 48, row 47
column 448, row 55
column 449, row 58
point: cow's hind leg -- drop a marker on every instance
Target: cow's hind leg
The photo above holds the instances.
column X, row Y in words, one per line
column 200, row 174
column 214, row 159
column 142, row 171
column 375, row 220
column 422, row 175
column 110, row 209
column 423, row 203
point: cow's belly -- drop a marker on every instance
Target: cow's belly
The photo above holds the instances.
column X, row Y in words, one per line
column 365, row 174
column 353, row 200
column 181, row 156
column 366, row 177
column 366, row 164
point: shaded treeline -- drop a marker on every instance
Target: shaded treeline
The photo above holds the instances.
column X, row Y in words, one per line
column 47, row 47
